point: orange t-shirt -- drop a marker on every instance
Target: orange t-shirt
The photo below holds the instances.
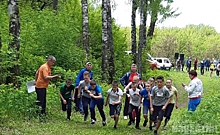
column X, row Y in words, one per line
column 43, row 71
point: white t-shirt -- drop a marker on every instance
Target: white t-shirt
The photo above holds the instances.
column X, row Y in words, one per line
column 135, row 97
column 114, row 96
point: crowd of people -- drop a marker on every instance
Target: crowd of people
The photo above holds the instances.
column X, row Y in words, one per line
column 156, row 96
column 203, row 65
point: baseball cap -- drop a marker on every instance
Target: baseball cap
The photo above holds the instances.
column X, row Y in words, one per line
column 89, row 63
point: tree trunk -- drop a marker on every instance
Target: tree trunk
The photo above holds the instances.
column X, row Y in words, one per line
column 142, row 34
column 154, row 13
column 85, row 27
column 0, row 41
column 111, row 68
column 104, row 41
column 152, row 26
column 55, row 4
column 14, row 43
column 133, row 31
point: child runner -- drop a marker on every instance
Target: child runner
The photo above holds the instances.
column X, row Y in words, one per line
column 96, row 99
column 160, row 99
column 85, row 94
column 65, row 97
column 145, row 94
column 135, row 103
column 212, row 66
column 169, row 109
column 114, row 97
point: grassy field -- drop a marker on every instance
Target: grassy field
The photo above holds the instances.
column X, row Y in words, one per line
column 56, row 124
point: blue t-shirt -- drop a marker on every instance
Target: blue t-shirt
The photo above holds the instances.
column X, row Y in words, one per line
column 96, row 91
column 144, row 94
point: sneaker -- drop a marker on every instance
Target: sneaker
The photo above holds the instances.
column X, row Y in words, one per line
column 155, row 132
column 164, row 128
column 125, row 117
column 85, row 118
column 104, row 123
column 92, row 121
column 150, row 128
column 68, row 118
column 138, row 128
column 129, row 123
column 145, row 123
column 115, row 127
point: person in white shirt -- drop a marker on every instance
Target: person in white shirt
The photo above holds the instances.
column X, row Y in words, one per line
column 195, row 90
column 114, row 98
column 135, row 103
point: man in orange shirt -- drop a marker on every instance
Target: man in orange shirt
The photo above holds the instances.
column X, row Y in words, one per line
column 42, row 79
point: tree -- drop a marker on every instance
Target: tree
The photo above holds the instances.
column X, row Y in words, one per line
column 108, row 67
column 142, row 33
column 0, row 41
column 156, row 7
column 104, row 40
column 14, row 43
column 111, row 66
column 133, row 31
column 85, row 27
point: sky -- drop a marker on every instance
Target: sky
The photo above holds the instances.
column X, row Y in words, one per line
column 192, row 12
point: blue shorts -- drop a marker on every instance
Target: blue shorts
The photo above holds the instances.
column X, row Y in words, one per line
column 145, row 109
column 193, row 103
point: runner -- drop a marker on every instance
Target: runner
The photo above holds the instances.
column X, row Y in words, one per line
column 66, row 97
column 135, row 103
column 145, row 96
column 169, row 108
column 160, row 99
column 96, row 99
column 85, row 94
column 114, row 97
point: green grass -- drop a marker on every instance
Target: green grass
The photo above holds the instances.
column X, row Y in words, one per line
column 57, row 125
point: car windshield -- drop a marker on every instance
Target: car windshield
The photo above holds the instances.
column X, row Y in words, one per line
column 166, row 61
column 159, row 60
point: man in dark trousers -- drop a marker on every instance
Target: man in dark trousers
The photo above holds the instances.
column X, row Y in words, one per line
column 128, row 77
column 78, row 98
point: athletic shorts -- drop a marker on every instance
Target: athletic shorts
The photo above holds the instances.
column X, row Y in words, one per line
column 115, row 109
column 158, row 112
column 145, row 109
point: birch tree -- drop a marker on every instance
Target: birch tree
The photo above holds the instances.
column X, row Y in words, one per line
column 142, row 33
column 111, row 66
column 14, row 43
column 104, row 40
column 85, row 27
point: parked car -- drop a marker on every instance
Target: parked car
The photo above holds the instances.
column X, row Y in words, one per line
column 162, row 63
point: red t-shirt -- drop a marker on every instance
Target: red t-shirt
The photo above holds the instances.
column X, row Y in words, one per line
column 132, row 76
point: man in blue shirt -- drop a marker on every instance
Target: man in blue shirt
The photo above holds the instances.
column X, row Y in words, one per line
column 79, row 78
column 97, row 98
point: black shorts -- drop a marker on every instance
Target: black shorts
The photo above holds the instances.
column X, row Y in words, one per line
column 115, row 109
column 168, row 110
column 158, row 112
column 211, row 69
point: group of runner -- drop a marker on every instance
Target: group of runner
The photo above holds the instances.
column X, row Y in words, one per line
column 152, row 95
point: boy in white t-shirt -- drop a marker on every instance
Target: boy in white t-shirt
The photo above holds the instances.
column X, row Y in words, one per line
column 114, row 97
column 135, row 103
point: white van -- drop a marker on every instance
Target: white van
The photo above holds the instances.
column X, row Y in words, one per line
column 162, row 63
